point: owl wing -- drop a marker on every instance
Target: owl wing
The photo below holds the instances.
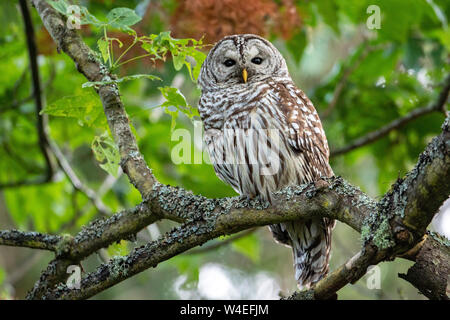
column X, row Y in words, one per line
column 304, row 128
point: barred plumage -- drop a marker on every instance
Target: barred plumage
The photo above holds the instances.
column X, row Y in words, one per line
column 263, row 134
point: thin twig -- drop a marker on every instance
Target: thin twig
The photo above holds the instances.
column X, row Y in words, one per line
column 438, row 106
column 32, row 239
column 344, row 79
column 76, row 182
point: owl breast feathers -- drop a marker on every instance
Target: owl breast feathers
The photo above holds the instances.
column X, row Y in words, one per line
column 262, row 134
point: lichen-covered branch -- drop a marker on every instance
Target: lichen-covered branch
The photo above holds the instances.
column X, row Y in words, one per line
column 33, row 240
column 209, row 218
column 431, row 271
column 334, row 198
column 397, row 226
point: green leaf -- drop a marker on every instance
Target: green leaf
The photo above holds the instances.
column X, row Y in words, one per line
column 118, row 249
column 106, row 153
column 121, row 18
column 159, row 44
column 126, row 78
column 194, row 68
column 188, row 266
column 174, row 98
column 178, row 61
column 59, row 5
column 248, row 246
column 86, row 107
column 103, row 47
column 88, row 18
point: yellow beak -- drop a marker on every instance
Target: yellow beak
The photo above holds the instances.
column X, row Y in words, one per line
column 244, row 75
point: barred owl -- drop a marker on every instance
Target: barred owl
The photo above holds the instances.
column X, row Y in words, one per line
column 262, row 134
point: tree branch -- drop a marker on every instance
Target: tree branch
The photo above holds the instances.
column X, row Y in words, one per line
column 33, row 240
column 350, row 272
column 76, row 182
column 438, row 106
column 343, row 81
column 67, row 40
column 390, row 227
column 431, row 272
column 386, row 225
column 41, row 119
column 400, row 220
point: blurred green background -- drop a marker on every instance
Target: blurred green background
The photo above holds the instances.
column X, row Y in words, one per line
column 359, row 79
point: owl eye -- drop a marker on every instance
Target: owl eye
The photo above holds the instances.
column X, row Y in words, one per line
column 229, row 63
column 257, row 60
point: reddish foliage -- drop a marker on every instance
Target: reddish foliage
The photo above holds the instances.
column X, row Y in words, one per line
column 197, row 18
column 216, row 19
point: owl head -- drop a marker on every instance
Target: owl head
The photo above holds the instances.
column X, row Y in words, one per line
column 241, row 60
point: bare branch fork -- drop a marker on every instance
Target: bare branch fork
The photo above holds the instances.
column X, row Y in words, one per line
column 392, row 227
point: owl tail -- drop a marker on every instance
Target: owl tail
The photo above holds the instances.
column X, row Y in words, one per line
column 311, row 245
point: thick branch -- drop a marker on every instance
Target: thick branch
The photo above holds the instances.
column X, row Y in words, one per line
column 431, row 272
column 206, row 219
column 403, row 214
column 70, row 42
column 210, row 218
column 334, row 199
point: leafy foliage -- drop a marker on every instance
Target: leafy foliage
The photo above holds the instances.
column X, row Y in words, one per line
column 385, row 73
column 85, row 107
column 249, row 246
column 176, row 99
column 106, row 153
